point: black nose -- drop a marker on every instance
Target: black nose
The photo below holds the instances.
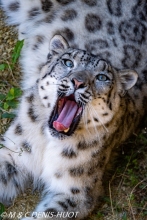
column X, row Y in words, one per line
column 77, row 84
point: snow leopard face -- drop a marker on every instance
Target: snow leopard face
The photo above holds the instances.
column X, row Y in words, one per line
column 77, row 86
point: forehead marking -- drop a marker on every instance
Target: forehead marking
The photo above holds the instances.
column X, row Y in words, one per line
column 76, row 54
column 48, row 73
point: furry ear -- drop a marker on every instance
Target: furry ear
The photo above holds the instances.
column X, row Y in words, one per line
column 58, row 44
column 128, row 78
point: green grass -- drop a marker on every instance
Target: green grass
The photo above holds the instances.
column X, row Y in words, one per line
column 9, row 102
column 9, row 95
column 9, row 99
column 14, row 57
column 2, row 209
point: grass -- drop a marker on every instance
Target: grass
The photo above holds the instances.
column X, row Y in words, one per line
column 14, row 58
column 8, row 94
column 126, row 190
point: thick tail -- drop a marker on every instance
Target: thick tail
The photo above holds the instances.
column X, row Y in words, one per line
column 19, row 11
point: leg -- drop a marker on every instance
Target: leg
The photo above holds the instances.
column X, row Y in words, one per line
column 59, row 206
column 56, row 206
column 12, row 177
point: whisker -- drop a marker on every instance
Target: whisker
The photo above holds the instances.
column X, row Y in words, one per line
column 54, row 84
column 90, row 113
column 60, row 94
column 96, row 113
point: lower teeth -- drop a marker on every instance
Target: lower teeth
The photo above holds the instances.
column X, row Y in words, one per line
column 66, row 130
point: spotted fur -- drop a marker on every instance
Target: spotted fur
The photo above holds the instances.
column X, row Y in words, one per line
column 114, row 30
column 62, row 161
column 85, row 51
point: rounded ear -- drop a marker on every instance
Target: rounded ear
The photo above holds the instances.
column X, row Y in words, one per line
column 58, row 44
column 128, row 78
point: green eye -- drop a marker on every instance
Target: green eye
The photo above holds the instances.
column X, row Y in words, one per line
column 102, row 77
column 68, row 63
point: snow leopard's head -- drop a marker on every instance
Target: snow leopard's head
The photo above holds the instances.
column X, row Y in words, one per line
column 80, row 89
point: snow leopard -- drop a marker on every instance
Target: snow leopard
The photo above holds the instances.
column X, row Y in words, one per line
column 84, row 86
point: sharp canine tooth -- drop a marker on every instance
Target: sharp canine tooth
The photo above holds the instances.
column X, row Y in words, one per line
column 66, row 130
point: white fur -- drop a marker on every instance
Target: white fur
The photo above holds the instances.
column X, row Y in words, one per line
column 104, row 107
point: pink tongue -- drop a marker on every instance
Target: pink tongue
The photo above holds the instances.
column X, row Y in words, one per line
column 66, row 116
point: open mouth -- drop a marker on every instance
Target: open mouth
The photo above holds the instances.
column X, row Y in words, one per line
column 66, row 115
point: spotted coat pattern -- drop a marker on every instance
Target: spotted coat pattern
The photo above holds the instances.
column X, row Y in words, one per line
column 115, row 32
